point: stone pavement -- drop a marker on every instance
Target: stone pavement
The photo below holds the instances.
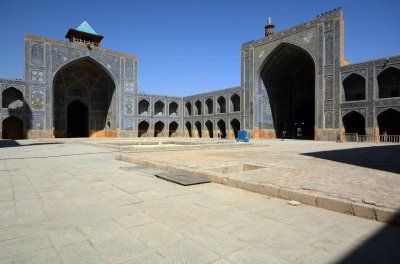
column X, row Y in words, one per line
column 361, row 173
column 71, row 203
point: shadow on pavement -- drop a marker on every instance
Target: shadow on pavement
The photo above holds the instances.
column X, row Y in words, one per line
column 385, row 158
column 10, row 143
column 383, row 247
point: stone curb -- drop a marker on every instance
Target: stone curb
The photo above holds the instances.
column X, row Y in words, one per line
column 372, row 212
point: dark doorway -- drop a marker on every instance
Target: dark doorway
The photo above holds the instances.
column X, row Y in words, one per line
column 235, row 101
column 210, row 130
column 77, row 120
column 389, row 83
column 159, row 129
column 389, row 121
column 354, row 122
column 198, row 128
column 198, row 107
column 159, row 108
column 143, row 107
column 289, row 78
column 188, row 109
column 143, row 128
column 210, row 106
column 173, row 127
column 354, row 88
column 173, row 109
column 221, row 105
column 235, row 126
column 12, row 128
column 189, row 128
column 222, row 128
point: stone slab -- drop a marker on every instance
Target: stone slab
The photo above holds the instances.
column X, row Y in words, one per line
column 141, row 169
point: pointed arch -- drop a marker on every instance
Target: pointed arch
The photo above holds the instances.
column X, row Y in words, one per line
column 354, row 87
column 209, row 129
column 209, row 106
column 13, row 128
column 12, row 98
column 354, row 122
column 389, row 83
column 159, row 127
column 198, row 129
column 221, row 104
column 159, row 108
column 143, row 107
column 88, row 81
column 188, row 109
column 188, row 127
column 173, row 109
column 235, row 127
column 143, row 129
column 173, row 129
column 288, row 75
column 197, row 104
column 389, row 121
column 235, row 102
column 222, row 128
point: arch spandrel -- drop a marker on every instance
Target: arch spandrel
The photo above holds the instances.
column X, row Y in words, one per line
column 99, row 63
column 306, row 40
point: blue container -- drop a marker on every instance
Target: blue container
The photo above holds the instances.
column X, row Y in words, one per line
column 242, row 136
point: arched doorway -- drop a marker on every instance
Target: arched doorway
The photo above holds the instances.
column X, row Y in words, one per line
column 12, row 128
column 143, row 128
column 235, row 103
column 77, row 119
column 289, row 77
column 221, row 105
column 389, row 121
column 209, row 106
column 159, row 108
column 173, row 127
column 235, row 127
column 389, row 83
column 143, row 107
column 87, row 81
column 188, row 129
column 159, row 129
column 198, row 129
column 198, row 107
column 210, row 129
column 188, row 110
column 12, row 98
column 354, row 87
column 173, row 109
column 354, row 122
column 222, row 128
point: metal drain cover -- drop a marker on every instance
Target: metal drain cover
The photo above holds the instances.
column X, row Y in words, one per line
column 182, row 179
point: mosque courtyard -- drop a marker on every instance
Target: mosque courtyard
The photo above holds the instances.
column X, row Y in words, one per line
column 71, row 201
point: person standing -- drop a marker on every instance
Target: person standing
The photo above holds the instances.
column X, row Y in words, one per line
column 283, row 134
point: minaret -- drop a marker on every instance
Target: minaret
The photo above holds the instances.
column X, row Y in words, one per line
column 269, row 28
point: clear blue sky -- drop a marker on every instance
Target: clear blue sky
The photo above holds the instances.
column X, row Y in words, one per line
column 187, row 47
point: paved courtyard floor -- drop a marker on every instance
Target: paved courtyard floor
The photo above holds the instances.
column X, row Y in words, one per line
column 71, row 203
column 359, row 172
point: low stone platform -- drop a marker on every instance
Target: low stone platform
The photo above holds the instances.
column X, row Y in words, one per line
column 356, row 179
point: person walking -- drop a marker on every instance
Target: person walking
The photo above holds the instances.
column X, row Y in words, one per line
column 283, row 134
